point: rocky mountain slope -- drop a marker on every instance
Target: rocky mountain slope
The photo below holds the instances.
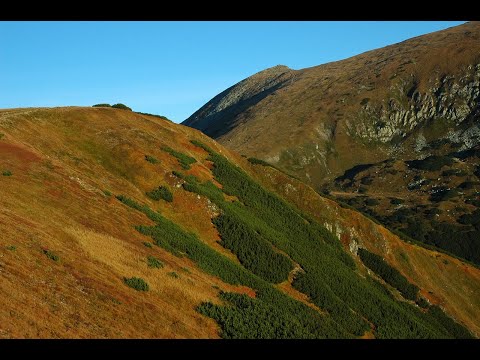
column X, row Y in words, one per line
column 434, row 201
column 431, row 270
column 117, row 224
column 394, row 102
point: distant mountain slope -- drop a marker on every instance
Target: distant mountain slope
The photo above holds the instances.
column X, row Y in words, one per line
column 430, row 270
column 229, row 104
column 435, row 200
column 121, row 225
column 318, row 122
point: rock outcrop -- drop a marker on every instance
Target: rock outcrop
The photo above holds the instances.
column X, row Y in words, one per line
column 449, row 100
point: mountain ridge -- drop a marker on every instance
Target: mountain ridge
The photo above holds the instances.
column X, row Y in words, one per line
column 243, row 94
column 393, row 132
column 373, row 105
column 89, row 249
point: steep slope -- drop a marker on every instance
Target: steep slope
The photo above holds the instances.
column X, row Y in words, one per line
column 66, row 165
column 117, row 224
column 391, row 102
column 445, row 281
column 229, row 104
column 434, row 201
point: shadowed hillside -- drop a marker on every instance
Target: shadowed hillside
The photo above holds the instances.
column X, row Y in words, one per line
column 434, row 201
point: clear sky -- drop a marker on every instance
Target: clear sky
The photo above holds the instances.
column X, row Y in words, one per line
column 170, row 68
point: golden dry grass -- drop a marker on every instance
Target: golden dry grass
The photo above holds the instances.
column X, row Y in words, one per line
column 62, row 160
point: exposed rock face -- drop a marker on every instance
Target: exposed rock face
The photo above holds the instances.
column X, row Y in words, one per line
column 449, row 99
column 397, row 101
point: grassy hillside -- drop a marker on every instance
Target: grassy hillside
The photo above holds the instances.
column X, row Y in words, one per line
column 117, row 224
column 67, row 164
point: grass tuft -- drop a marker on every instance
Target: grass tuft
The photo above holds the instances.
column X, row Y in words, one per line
column 121, row 106
column 151, row 159
column 153, row 262
column 51, row 255
column 136, row 283
column 184, row 160
column 161, row 192
column 173, row 274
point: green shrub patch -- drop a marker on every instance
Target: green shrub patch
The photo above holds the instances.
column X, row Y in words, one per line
column 184, row 160
column 136, row 283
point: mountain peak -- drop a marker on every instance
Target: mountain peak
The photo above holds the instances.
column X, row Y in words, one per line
column 239, row 98
column 277, row 69
column 375, row 102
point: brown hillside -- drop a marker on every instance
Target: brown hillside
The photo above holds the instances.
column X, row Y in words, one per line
column 62, row 161
column 66, row 242
column 390, row 102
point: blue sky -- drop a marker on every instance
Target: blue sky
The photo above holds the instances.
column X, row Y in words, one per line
column 170, row 68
